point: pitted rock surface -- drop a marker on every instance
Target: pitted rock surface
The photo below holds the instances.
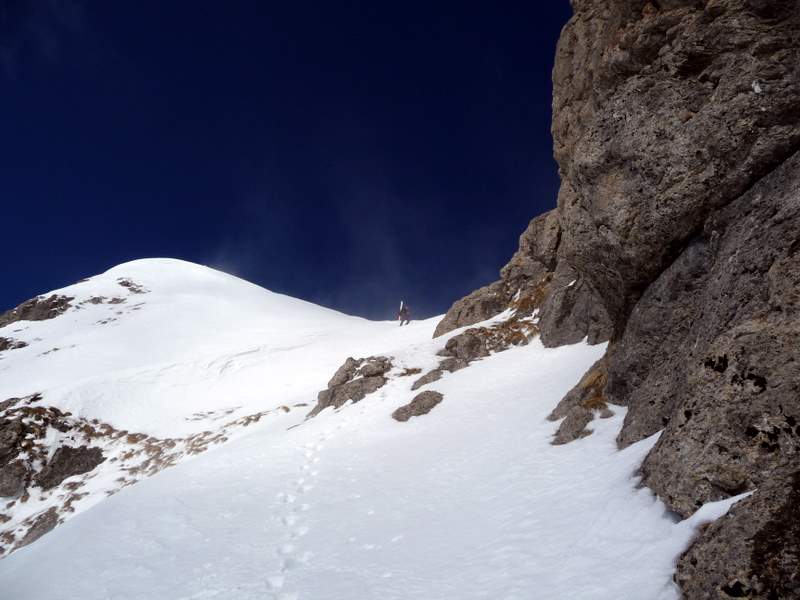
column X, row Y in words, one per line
column 676, row 127
column 751, row 552
column 663, row 113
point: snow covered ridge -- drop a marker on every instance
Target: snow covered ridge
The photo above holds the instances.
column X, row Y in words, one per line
column 348, row 504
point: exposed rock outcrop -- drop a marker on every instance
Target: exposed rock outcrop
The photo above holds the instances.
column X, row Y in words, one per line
column 422, row 404
column 664, row 112
column 40, row 308
column 66, row 462
column 676, row 127
column 48, row 457
column 353, row 381
column 752, row 552
column 536, row 279
column 580, row 406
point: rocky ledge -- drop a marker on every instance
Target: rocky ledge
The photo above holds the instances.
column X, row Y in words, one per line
column 676, row 127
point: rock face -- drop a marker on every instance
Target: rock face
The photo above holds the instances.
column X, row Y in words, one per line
column 664, row 112
column 422, row 404
column 68, row 461
column 676, row 128
column 537, row 279
column 353, row 381
column 752, row 552
column 37, row 309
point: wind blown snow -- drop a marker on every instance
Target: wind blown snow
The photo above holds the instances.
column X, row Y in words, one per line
column 469, row 501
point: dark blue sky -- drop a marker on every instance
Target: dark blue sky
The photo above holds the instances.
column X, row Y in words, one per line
column 347, row 153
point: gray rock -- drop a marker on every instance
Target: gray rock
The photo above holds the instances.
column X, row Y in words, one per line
column 588, row 393
column 37, row 309
column 537, row 278
column 751, row 552
column 663, row 113
column 353, row 381
column 712, row 352
column 482, row 304
column 465, row 346
column 14, row 478
column 676, row 128
column 344, row 373
column 571, row 311
column 527, row 269
column 374, row 366
column 12, row 432
column 422, row 404
column 429, row 377
column 67, row 462
column 44, row 523
column 452, row 364
column 574, row 425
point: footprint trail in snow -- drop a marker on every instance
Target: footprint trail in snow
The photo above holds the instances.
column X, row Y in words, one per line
column 289, row 552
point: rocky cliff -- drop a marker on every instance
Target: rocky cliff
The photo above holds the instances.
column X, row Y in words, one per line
column 676, row 128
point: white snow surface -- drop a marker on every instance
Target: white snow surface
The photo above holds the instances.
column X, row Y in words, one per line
column 468, row 502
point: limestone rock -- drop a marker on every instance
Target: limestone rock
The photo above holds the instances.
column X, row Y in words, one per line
column 536, row 278
column 589, row 392
column 429, row 377
column 751, row 552
column 353, row 381
column 663, row 113
column 573, row 426
column 67, row 462
column 44, row 523
column 422, row 404
column 14, row 478
column 465, row 346
column 37, row 309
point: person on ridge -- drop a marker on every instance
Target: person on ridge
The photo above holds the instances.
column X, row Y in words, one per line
column 405, row 314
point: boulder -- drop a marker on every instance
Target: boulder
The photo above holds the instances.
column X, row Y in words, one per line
column 353, row 381
column 573, row 426
column 422, row 404
column 465, row 346
column 429, row 377
column 66, row 462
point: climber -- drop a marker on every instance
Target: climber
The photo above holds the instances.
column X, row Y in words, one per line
column 405, row 314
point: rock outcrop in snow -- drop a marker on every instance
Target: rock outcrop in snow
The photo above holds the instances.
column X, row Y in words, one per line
column 537, row 280
column 353, row 381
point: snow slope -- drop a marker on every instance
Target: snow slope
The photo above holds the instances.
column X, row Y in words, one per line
column 469, row 501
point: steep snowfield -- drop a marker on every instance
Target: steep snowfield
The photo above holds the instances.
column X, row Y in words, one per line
column 469, row 501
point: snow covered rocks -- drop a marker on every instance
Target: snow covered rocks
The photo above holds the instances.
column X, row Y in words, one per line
column 353, row 381
column 422, row 404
